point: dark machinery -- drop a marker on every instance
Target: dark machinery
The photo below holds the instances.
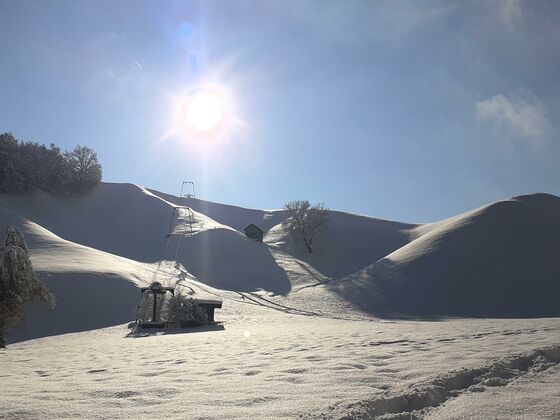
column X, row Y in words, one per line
column 155, row 289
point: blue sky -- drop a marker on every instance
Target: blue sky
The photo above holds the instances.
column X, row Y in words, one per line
column 412, row 111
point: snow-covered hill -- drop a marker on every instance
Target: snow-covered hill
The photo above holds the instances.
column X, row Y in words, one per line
column 295, row 323
column 93, row 288
column 499, row 260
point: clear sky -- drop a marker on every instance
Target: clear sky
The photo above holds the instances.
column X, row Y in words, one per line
column 412, row 111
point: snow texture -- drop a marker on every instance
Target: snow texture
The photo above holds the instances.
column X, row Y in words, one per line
column 360, row 328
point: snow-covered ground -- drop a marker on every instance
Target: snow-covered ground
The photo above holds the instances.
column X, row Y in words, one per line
column 311, row 336
column 265, row 363
column 532, row 396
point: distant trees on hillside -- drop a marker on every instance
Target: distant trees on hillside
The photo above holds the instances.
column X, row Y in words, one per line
column 18, row 283
column 84, row 168
column 305, row 221
column 27, row 165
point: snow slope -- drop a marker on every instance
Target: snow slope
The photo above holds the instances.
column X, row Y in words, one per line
column 350, row 243
column 131, row 222
column 233, row 216
column 294, row 324
column 118, row 218
column 83, row 279
column 115, row 240
column 499, row 260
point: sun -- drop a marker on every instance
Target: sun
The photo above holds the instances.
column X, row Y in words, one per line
column 204, row 111
column 204, row 116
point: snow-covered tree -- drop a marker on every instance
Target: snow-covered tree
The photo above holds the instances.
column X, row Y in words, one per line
column 305, row 221
column 186, row 312
column 146, row 307
column 13, row 176
column 19, row 284
column 85, row 168
column 28, row 165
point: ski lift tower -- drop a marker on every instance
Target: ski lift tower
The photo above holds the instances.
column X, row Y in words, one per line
column 189, row 190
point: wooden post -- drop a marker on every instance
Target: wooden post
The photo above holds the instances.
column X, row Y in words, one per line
column 154, row 310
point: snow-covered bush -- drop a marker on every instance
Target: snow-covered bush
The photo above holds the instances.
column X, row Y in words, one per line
column 146, row 307
column 18, row 283
column 185, row 312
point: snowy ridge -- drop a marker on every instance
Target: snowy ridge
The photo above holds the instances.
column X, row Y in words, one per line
column 236, row 217
column 498, row 260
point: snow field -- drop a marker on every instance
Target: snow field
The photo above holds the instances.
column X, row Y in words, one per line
column 266, row 363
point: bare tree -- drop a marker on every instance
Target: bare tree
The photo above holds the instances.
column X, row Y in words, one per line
column 85, row 167
column 18, row 282
column 305, row 221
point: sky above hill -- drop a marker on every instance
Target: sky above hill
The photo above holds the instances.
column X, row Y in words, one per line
column 404, row 110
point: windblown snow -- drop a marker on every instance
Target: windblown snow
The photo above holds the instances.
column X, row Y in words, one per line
column 360, row 328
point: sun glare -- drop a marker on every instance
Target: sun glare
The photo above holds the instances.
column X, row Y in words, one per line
column 204, row 116
column 205, row 111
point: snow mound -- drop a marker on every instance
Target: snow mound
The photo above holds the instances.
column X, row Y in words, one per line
column 499, row 260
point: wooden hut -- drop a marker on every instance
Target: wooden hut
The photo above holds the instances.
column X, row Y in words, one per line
column 149, row 315
column 254, row 232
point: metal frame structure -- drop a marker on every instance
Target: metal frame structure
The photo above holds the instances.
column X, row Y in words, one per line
column 193, row 195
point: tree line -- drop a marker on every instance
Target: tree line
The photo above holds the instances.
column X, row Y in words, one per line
column 25, row 166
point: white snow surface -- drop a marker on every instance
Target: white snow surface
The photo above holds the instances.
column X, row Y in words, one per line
column 299, row 334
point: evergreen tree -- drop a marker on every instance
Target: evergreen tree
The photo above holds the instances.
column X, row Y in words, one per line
column 12, row 174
